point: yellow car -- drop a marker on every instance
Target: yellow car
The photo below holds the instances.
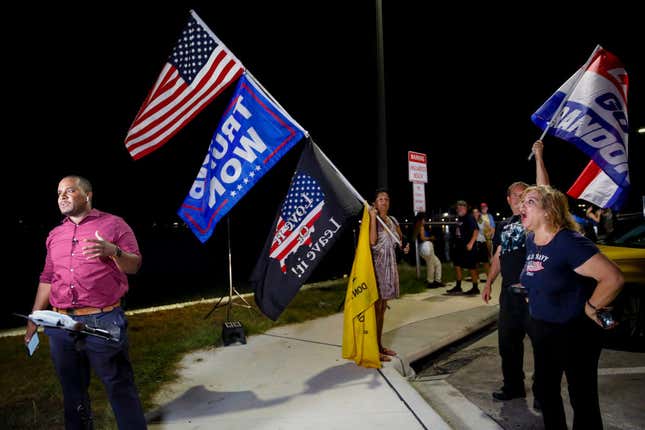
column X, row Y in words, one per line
column 628, row 252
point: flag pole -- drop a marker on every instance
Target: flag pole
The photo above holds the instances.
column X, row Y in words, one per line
column 357, row 194
column 556, row 114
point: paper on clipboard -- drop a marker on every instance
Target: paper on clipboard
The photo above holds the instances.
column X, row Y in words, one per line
column 32, row 344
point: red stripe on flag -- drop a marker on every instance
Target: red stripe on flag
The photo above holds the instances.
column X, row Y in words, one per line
column 294, row 241
column 163, row 88
column 179, row 107
column 588, row 174
column 292, row 132
column 203, row 230
column 204, row 100
column 182, row 93
column 179, row 94
column 151, row 94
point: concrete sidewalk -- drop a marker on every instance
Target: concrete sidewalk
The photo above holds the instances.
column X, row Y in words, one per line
column 293, row 377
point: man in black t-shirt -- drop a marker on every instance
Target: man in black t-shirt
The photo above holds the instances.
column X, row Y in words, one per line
column 464, row 253
column 509, row 255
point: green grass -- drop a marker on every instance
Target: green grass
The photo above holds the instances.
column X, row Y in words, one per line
column 32, row 398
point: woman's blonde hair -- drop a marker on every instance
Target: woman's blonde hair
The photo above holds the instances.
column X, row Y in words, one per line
column 556, row 206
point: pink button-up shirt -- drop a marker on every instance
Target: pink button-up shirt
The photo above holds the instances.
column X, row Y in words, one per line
column 77, row 282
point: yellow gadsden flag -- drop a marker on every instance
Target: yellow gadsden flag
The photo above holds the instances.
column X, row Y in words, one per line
column 359, row 329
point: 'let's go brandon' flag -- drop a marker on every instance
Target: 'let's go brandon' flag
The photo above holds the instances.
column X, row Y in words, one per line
column 252, row 136
column 308, row 223
column 360, row 341
column 594, row 119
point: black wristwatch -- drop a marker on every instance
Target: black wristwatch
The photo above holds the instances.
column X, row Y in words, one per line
column 118, row 253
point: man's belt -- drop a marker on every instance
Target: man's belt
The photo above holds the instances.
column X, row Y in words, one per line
column 87, row 311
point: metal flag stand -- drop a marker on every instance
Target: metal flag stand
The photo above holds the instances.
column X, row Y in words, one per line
column 232, row 331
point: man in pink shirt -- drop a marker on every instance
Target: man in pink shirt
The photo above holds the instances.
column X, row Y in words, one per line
column 88, row 258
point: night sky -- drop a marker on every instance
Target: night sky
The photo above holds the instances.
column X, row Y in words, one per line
column 461, row 84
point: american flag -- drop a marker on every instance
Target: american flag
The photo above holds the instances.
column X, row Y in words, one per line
column 300, row 210
column 198, row 70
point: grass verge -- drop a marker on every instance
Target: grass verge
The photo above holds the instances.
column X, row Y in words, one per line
column 158, row 340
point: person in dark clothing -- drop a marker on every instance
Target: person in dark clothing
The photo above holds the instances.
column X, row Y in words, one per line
column 508, row 260
column 464, row 253
column 569, row 283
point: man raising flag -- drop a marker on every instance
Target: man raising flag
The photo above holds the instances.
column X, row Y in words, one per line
column 359, row 329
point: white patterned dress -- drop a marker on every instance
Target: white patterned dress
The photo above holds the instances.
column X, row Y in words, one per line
column 384, row 257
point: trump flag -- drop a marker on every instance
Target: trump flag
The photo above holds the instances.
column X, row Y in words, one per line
column 360, row 341
column 591, row 109
column 199, row 68
column 253, row 134
column 309, row 221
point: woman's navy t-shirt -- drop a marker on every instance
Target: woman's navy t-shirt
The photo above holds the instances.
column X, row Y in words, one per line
column 557, row 293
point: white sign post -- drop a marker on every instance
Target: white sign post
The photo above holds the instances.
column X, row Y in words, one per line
column 419, row 197
column 418, row 175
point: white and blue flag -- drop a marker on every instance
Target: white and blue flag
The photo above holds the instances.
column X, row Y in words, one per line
column 253, row 134
column 594, row 119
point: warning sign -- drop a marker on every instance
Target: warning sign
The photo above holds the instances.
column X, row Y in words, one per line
column 417, row 167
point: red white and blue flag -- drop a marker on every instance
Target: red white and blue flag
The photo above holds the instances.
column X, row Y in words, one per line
column 594, row 119
column 200, row 67
column 298, row 215
column 252, row 136
column 593, row 185
column 310, row 220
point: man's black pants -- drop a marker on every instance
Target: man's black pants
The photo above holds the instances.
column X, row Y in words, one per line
column 513, row 325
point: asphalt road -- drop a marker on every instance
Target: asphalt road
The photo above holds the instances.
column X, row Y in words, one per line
column 458, row 384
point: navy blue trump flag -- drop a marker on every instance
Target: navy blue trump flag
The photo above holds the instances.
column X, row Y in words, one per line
column 308, row 223
column 253, row 134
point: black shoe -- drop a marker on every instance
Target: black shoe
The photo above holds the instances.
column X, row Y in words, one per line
column 504, row 395
column 537, row 406
column 431, row 285
column 454, row 290
column 438, row 284
column 474, row 291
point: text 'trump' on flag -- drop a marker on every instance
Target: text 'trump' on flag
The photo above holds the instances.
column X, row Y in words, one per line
column 309, row 222
column 200, row 67
column 252, row 136
column 360, row 340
